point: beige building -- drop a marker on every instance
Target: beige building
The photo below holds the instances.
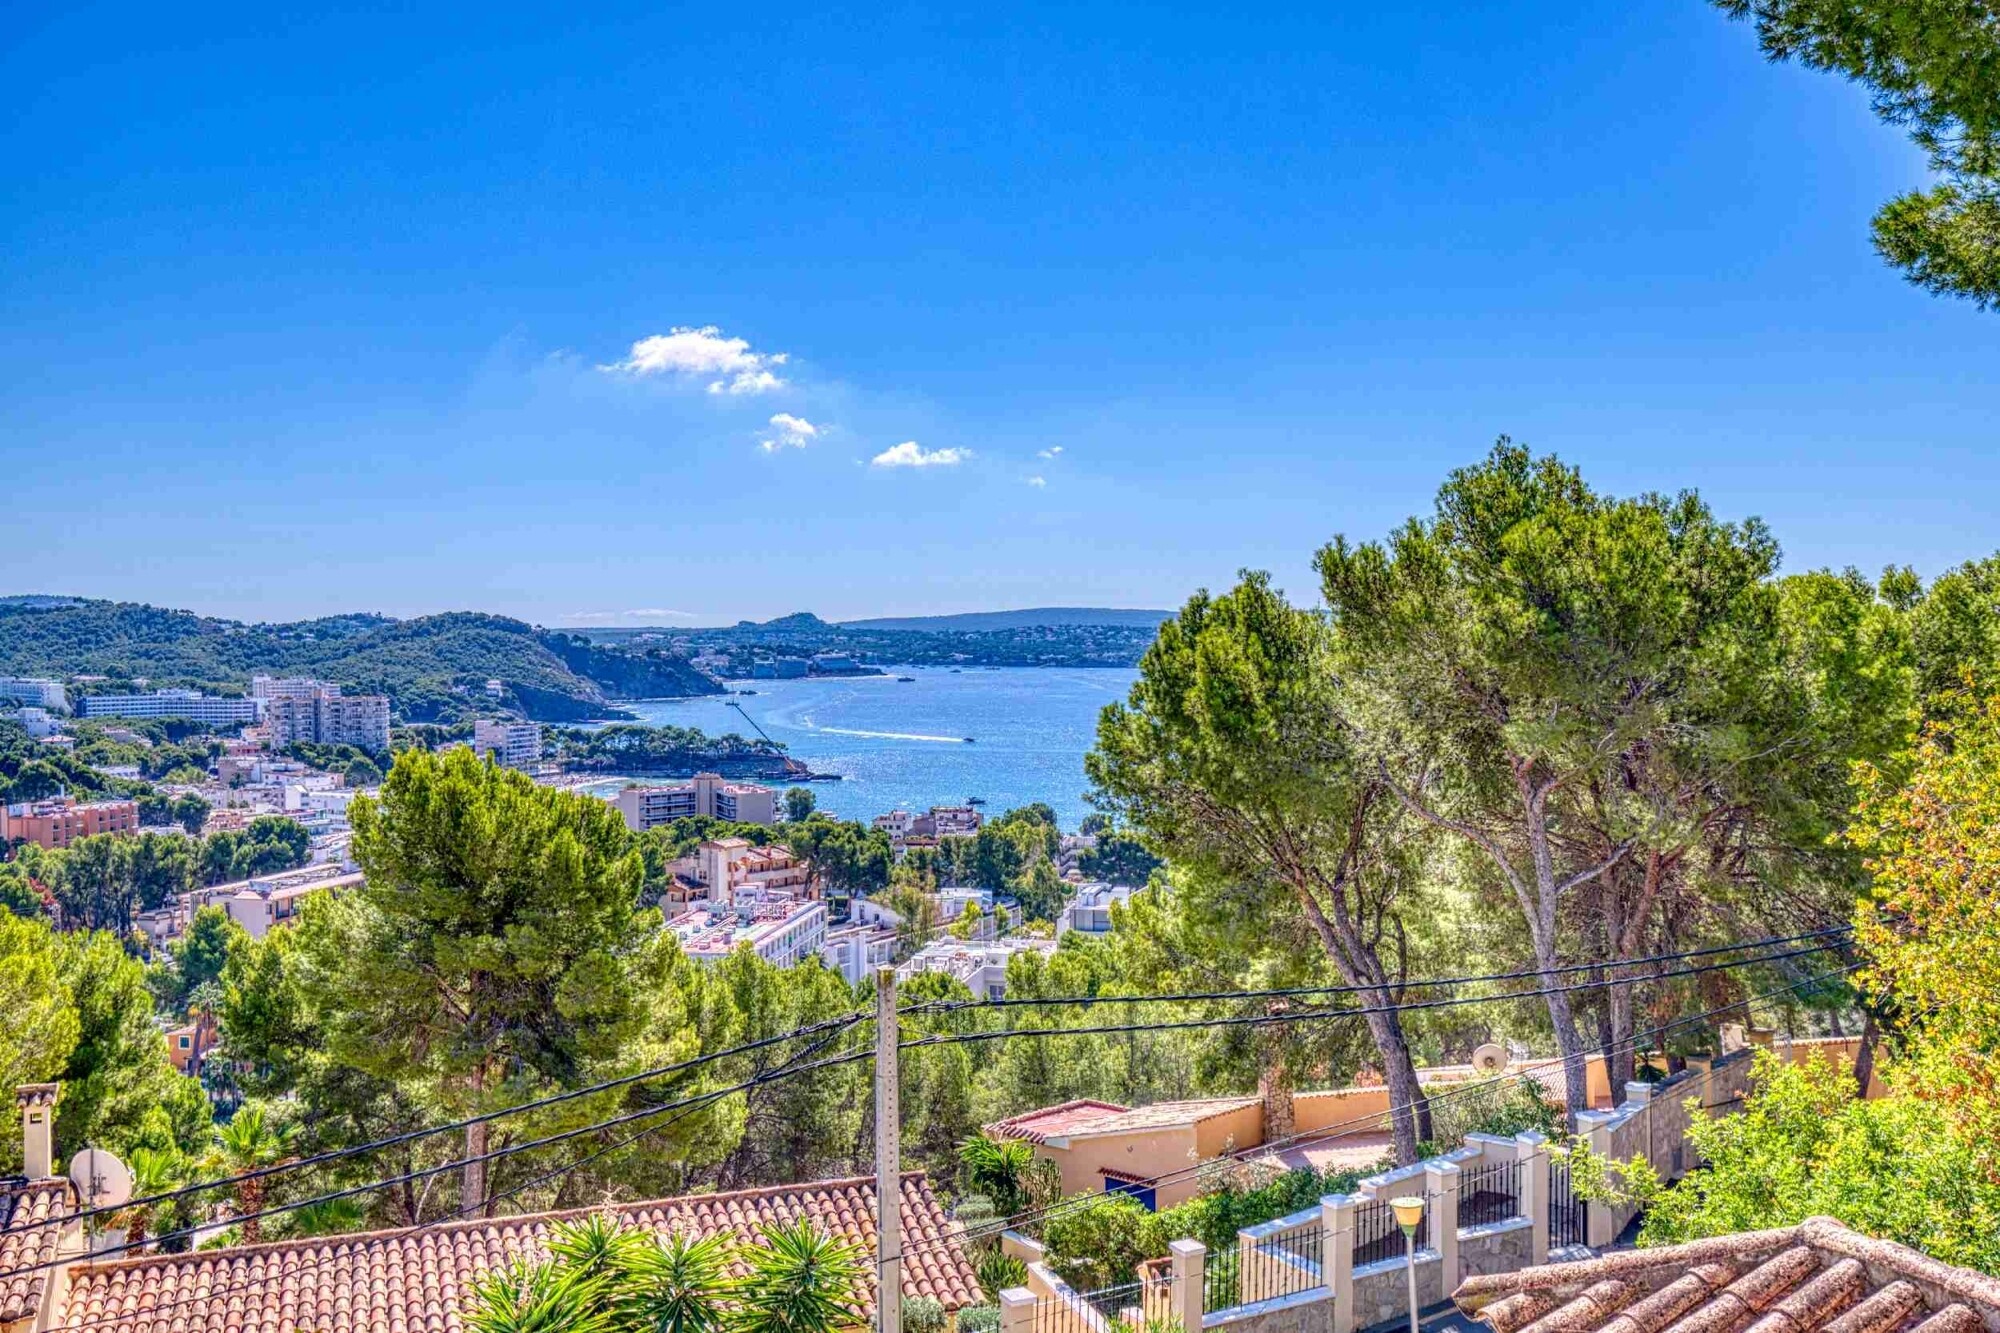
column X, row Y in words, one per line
column 61, row 821
column 512, row 744
column 649, row 805
column 325, row 717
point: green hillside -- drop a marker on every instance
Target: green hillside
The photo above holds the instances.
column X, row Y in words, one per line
column 433, row 668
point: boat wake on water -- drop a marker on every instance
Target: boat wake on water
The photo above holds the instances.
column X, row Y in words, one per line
column 893, row 735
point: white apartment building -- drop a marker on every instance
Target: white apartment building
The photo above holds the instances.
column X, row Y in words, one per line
column 310, row 711
column 777, row 928
column 1089, row 908
column 36, row 722
column 49, row 694
column 650, row 805
column 513, row 744
column 981, row 965
column 208, row 709
column 856, row 951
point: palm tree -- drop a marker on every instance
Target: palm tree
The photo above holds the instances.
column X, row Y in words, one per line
column 325, row 1218
column 801, row 1280
column 252, row 1141
column 154, row 1171
column 995, row 1167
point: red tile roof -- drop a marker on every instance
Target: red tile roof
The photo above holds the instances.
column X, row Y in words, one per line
column 1039, row 1126
column 1816, row 1277
column 415, row 1282
column 21, row 1205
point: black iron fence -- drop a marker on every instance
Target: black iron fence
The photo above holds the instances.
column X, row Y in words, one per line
column 1566, row 1211
column 1489, row 1194
column 1377, row 1235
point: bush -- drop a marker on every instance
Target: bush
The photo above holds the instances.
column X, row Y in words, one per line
column 923, row 1314
column 979, row 1319
column 999, row 1271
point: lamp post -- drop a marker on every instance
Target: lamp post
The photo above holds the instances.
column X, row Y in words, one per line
column 1409, row 1211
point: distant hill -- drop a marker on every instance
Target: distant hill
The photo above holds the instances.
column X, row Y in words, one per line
column 433, row 668
column 985, row 622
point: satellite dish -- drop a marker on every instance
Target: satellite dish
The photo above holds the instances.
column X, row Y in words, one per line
column 1490, row 1058
column 101, row 1180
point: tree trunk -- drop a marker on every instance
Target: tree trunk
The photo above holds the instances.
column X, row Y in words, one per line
column 1864, row 1059
column 1620, row 1064
column 1409, row 1111
column 473, row 1187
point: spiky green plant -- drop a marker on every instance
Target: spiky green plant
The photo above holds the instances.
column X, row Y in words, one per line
column 800, row 1280
column 526, row 1297
column 680, row 1285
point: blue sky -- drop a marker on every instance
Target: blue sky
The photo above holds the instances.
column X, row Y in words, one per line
column 350, row 312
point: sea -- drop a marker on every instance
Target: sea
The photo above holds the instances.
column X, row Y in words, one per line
column 1007, row 735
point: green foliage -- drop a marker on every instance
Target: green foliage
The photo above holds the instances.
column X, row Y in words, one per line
column 1804, row 1146
column 799, row 803
column 923, row 1314
column 1932, row 67
column 996, row 1168
column 656, row 751
column 202, row 952
column 800, row 1280
column 1120, row 858
column 118, row 1071
column 983, row 1318
column 1505, row 1109
column 998, row 1272
column 269, row 844
column 39, row 1027
column 524, row 1297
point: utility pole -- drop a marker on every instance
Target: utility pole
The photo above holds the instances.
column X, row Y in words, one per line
column 888, row 1161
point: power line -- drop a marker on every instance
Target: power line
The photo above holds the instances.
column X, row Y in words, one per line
column 1340, row 1129
column 411, row 1136
column 785, row 1070
column 945, row 1006
column 1306, row 1015
column 424, row 1173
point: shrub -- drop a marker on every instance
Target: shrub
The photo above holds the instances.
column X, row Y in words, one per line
column 923, row 1314
column 999, row 1271
column 979, row 1319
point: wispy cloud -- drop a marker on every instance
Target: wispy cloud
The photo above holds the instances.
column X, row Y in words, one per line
column 692, row 353
column 1038, row 482
column 911, row 454
column 636, row 613
column 1050, row 452
column 788, row 432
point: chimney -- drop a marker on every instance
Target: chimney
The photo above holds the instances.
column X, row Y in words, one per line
column 38, row 1128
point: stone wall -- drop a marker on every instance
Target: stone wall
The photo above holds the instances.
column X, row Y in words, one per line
column 1497, row 1247
column 1382, row 1291
column 1306, row 1312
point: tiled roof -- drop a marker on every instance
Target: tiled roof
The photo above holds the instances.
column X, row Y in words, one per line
column 1092, row 1117
column 1038, row 1126
column 22, row 1204
column 1816, row 1277
column 403, row 1282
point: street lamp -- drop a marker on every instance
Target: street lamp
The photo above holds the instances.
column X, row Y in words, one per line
column 1409, row 1215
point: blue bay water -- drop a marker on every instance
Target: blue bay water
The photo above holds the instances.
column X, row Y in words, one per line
column 898, row 744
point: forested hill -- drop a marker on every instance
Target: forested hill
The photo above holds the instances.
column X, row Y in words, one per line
column 433, row 668
column 1034, row 617
column 1051, row 637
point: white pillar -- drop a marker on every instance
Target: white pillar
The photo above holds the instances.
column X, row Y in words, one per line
column 1336, row 1213
column 1248, row 1269
column 888, row 1161
column 1441, row 1181
column 1017, row 1310
column 1190, row 1261
column 1598, row 1230
column 1531, row 1150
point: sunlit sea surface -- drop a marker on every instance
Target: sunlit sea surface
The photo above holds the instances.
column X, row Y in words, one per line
column 897, row 744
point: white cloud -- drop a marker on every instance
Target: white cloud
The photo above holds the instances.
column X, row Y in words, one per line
column 689, row 352
column 1050, row 452
column 1038, row 482
column 911, row 454
column 788, row 431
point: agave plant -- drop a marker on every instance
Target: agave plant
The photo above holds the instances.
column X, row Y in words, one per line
column 998, row 1271
column 800, row 1280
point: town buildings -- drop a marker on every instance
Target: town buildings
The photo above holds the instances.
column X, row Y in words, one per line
column 907, row 830
column 208, row 709
column 60, row 821
column 649, row 805
column 1088, row 910
column 980, row 965
column 856, row 951
column 317, row 713
column 36, row 722
column 512, row 744
column 34, row 690
column 777, row 927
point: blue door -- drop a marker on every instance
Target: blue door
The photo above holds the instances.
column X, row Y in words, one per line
column 1137, row 1189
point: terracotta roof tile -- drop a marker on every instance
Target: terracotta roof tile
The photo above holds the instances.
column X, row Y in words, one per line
column 402, row 1282
column 1036, row 1126
column 22, row 1204
column 1817, row 1277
